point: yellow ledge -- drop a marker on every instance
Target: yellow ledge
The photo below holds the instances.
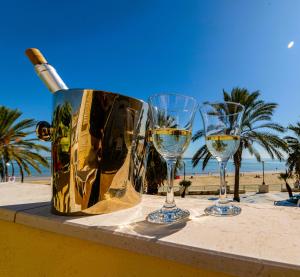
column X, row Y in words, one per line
column 261, row 241
column 31, row 252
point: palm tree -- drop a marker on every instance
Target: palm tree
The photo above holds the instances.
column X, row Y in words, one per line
column 15, row 147
column 156, row 171
column 293, row 160
column 256, row 128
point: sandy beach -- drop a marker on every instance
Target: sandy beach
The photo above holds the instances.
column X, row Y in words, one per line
column 248, row 181
column 44, row 180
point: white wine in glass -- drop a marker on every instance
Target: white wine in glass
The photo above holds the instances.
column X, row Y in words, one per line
column 222, row 146
column 171, row 141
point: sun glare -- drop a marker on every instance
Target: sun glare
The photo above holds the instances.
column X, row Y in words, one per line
column 291, row 44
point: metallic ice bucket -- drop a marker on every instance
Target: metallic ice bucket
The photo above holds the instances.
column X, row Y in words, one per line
column 98, row 151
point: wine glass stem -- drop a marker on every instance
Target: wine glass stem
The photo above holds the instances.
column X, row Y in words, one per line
column 223, row 196
column 170, row 203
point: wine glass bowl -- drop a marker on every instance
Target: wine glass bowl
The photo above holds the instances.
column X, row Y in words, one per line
column 222, row 136
column 172, row 118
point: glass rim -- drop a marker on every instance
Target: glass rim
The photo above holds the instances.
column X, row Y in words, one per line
column 222, row 102
column 173, row 94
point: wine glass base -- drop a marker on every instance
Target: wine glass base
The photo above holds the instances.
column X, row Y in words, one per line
column 168, row 215
column 223, row 210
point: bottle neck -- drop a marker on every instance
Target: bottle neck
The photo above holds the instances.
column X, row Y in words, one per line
column 49, row 76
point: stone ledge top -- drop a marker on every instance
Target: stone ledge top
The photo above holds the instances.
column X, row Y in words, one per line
column 262, row 241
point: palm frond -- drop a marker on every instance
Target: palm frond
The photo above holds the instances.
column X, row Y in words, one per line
column 14, row 144
column 254, row 152
column 201, row 153
column 198, row 135
column 271, row 125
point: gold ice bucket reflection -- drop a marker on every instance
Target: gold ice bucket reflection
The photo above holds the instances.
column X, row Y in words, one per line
column 98, row 151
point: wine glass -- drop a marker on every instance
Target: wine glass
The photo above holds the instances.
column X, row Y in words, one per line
column 222, row 135
column 172, row 117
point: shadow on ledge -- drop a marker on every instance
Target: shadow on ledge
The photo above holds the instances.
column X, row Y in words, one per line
column 151, row 230
column 25, row 206
column 157, row 231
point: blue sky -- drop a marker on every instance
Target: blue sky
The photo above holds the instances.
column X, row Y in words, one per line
column 139, row 48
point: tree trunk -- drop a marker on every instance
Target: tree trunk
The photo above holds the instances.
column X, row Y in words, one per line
column 21, row 172
column 237, row 158
column 1, row 170
column 5, row 171
column 236, row 196
column 289, row 189
column 183, row 192
column 12, row 169
column 152, row 188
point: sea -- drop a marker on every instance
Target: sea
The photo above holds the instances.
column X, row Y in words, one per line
column 248, row 165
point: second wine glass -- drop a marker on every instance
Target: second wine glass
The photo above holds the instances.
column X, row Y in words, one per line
column 172, row 118
column 222, row 135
